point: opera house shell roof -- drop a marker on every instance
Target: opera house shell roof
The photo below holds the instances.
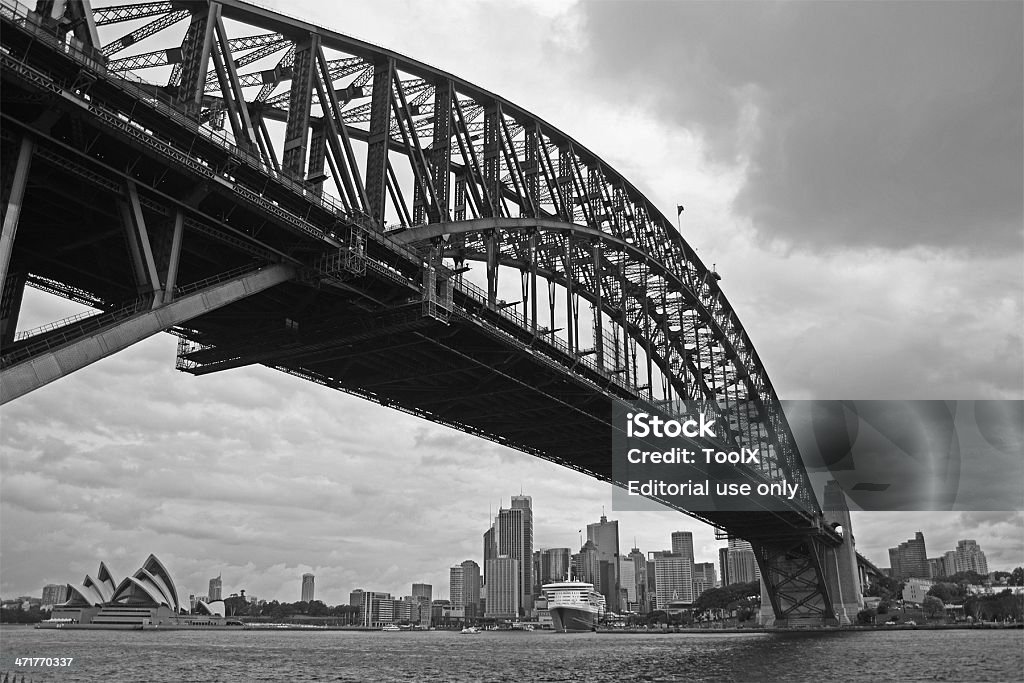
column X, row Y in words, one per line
column 150, row 586
column 146, row 599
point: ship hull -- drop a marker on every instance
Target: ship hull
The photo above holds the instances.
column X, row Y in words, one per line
column 573, row 619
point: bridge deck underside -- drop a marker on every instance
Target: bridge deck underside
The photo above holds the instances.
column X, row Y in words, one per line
column 362, row 333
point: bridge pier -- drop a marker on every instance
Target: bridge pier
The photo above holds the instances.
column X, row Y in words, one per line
column 806, row 582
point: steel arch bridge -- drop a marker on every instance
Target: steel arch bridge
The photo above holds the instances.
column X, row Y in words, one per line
column 278, row 193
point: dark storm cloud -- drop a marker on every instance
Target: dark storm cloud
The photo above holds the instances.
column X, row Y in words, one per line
column 864, row 124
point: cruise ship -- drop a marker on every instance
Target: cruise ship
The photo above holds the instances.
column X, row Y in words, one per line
column 574, row 605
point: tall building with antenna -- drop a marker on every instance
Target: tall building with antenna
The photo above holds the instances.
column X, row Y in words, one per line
column 605, row 537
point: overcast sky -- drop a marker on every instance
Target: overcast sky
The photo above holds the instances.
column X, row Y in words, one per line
column 854, row 170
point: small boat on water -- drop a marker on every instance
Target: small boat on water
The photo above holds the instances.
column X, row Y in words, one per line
column 391, row 627
column 471, row 630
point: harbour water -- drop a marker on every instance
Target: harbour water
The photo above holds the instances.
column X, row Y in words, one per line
column 115, row 656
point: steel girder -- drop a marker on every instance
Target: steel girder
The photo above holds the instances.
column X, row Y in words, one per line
column 466, row 154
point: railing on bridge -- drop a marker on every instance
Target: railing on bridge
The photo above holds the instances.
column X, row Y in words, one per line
column 73, row 328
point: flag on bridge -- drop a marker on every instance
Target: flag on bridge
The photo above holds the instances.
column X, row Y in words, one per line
column 679, row 209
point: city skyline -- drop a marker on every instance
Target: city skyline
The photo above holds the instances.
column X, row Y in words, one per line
column 206, row 471
column 678, row 542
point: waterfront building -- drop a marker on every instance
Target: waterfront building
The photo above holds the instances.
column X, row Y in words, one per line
column 605, row 537
column 421, row 595
column 216, row 587
column 504, row 589
column 307, row 588
column 455, row 585
column 909, row 559
column 377, row 608
column 471, row 589
column 673, row 578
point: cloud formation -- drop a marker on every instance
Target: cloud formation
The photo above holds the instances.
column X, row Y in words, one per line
column 893, row 124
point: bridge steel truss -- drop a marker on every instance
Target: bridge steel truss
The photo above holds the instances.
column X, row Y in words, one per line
column 157, row 150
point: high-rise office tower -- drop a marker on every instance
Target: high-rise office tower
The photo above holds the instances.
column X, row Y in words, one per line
column 471, row 588
column 307, row 588
column 216, row 587
column 673, row 578
column 703, row 577
column 419, row 609
column 605, row 536
column 554, row 565
column 588, row 565
column 723, row 566
column 456, row 586
column 640, row 574
column 513, row 537
column 909, row 559
column 490, row 548
column 682, row 543
column 627, row 575
column 970, row 558
column 503, row 587
column 55, row 594
column 742, row 562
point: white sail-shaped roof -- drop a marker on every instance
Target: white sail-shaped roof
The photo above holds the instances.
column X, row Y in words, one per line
column 105, row 579
column 82, row 595
column 138, row 591
column 162, row 578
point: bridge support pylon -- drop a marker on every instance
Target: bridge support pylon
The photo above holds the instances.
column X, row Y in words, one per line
column 808, row 582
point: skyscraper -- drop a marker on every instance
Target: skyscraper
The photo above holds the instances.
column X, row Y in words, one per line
column 513, row 537
column 723, row 566
column 673, row 578
column 490, row 548
column 215, row 589
column 471, row 588
column 54, row 594
column 456, row 586
column 605, row 536
column 554, row 565
column 742, row 565
column 909, row 559
column 640, row 574
column 970, row 558
column 703, row 577
column 627, row 575
column 419, row 610
column 588, row 566
column 307, row 588
column 503, row 587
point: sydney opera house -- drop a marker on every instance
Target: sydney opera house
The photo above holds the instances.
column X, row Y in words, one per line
column 146, row 599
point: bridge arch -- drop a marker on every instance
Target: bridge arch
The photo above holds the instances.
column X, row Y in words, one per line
column 224, row 126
